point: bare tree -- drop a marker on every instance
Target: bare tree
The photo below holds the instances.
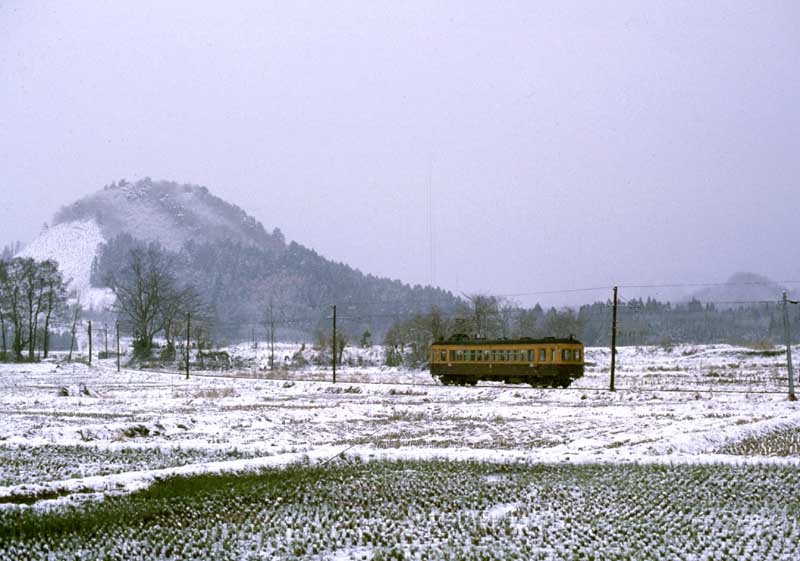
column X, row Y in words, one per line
column 485, row 315
column 55, row 297
column 140, row 291
column 505, row 317
column 28, row 288
column 175, row 307
column 410, row 340
column 150, row 299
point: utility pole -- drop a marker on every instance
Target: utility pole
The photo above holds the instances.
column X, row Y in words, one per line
column 117, row 326
column 188, row 330
column 334, row 343
column 271, row 338
column 105, row 334
column 90, row 342
column 613, row 339
column 792, row 396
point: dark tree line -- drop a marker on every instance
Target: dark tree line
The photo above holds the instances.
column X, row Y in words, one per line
column 32, row 296
column 639, row 322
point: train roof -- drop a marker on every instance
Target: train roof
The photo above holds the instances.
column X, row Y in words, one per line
column 460, row 339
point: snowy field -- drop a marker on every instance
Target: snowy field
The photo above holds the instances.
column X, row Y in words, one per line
column 709, row 422
column 116, row 432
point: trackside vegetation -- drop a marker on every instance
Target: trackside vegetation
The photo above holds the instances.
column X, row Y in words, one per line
column 431, row 510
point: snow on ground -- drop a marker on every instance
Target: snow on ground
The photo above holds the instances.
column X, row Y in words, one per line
column 76, row 431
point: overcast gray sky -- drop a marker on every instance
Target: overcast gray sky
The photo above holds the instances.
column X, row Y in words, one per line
column 566, row 145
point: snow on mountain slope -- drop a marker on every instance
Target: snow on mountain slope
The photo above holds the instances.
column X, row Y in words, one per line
column 167, row 213
column 74, row 246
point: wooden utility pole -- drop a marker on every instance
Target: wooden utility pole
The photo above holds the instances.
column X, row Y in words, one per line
column 792, row 396
column 117, row 326
column 188, row 330
column 613, row 339
column 105, row 335
column 271, row 338
column 334, row 343
column 90, row 342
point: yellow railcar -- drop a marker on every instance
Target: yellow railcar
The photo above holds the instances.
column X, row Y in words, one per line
column 548, row 362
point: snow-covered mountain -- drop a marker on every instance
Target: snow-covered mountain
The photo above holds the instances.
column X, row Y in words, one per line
column 167, row 212
column 227, row 255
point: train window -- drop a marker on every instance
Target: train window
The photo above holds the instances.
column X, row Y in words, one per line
column 577, row 354
column 516, row 356
column 443, row 356
column 459, row 355
column 486, row 355
column 530, row 355
column 542, row 355
column 494, row 356
column 552, row 355
column 452, row 355
column 565, row 354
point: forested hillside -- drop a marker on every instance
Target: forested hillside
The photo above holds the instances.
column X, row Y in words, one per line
column 239, row 268
column 241, row 282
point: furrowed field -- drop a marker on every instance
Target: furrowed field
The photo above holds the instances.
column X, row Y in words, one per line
column 432, row 510
column 694, row 457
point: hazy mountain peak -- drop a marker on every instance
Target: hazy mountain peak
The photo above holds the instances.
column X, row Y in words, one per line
column 742, row 287
column 169, row 213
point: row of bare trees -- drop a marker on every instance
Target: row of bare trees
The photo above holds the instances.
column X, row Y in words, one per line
column 151, row 301
column 32, row 295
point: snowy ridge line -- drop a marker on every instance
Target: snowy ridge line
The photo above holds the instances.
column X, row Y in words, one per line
column 72, row 490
